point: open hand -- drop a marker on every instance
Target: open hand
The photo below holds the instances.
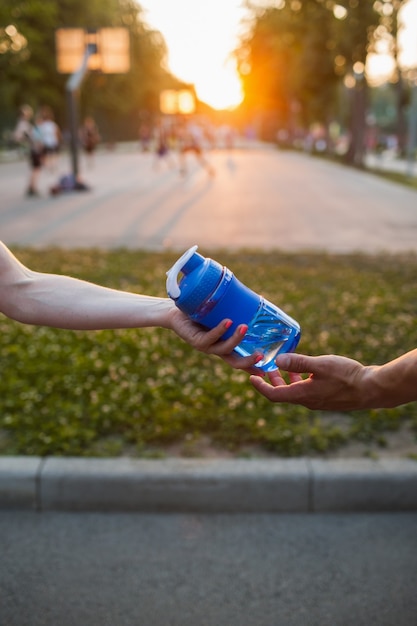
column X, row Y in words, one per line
column 330, row 383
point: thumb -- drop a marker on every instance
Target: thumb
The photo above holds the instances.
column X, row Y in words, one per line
column 290, row 362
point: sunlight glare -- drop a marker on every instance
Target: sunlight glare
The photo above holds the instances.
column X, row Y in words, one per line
column 339, row 12
column 200, row 38
column 407, row 35
column 222, row 88
column 379, row 68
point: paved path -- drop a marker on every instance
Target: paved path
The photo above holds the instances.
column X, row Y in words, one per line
column 259, row 198
column 212, row 570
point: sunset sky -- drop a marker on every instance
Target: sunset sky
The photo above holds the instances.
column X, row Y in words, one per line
column 201, row 35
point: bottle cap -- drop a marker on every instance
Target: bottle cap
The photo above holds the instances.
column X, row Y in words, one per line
column 173, row 289
column 200, row 277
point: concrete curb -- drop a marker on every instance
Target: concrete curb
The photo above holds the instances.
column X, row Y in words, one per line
column 208, row 485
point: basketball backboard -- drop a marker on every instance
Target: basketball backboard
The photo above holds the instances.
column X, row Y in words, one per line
column 109, row 50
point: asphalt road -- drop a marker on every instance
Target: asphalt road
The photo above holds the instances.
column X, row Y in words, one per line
column 212, row 570
column 259, row 198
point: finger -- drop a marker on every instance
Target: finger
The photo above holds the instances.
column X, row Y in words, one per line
column 261, row 385
column 276, row 378
column 280, row 393
column 218, row 331
column 292, row 362
column 223, row 347
column 246, row 364
column 294, row 377
column 231, row 343
column 210, row 340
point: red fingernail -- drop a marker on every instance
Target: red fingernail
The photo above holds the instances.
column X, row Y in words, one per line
column 259, row 358
column 228, row 324
column 243, row 329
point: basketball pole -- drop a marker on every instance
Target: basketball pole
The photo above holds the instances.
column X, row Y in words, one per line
column 72, row 88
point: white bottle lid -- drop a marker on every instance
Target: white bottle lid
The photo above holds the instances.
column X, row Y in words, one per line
column 173, row 289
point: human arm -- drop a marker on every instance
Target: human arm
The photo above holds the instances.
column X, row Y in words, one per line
column 64, row 302
column 22, row 132
column 61, row 301
column 337, row 383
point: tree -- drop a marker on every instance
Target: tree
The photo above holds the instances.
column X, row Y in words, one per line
column 300, row 52
column 28, row 66
column 386, row 40
column 265, row 60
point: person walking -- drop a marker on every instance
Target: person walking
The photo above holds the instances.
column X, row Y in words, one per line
column 89, row 137
column 163, row 144
column 191, row 139
column 28, row 135
column 51, row 137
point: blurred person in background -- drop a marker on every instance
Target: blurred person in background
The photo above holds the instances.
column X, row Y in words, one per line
column 163, row 144
column 89, row 138
column 145, row 136
column 28, row 135
column 191, row 140
column 51, row 137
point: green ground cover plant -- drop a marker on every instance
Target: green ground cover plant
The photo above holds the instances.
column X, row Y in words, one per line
column 396, row 177
column 137, row 392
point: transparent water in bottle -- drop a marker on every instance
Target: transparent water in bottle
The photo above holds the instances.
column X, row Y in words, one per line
column 271, row 331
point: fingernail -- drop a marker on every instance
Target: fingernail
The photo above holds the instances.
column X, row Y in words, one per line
column 259, row 358
column 243, row 329
column 228, row 324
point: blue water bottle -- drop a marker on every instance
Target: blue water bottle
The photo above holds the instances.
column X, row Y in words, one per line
column 209, row 292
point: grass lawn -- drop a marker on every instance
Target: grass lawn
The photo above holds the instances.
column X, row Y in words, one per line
column 139, row 392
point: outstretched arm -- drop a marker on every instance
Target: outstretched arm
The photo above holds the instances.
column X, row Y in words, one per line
column 336, row 383
column 64, row 302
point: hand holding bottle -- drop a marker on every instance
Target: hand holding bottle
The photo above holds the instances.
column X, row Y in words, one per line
column 209, row 293
column 211, row 342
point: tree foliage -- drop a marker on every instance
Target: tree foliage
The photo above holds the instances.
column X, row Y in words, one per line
column 28, row 60
column 297, row 53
